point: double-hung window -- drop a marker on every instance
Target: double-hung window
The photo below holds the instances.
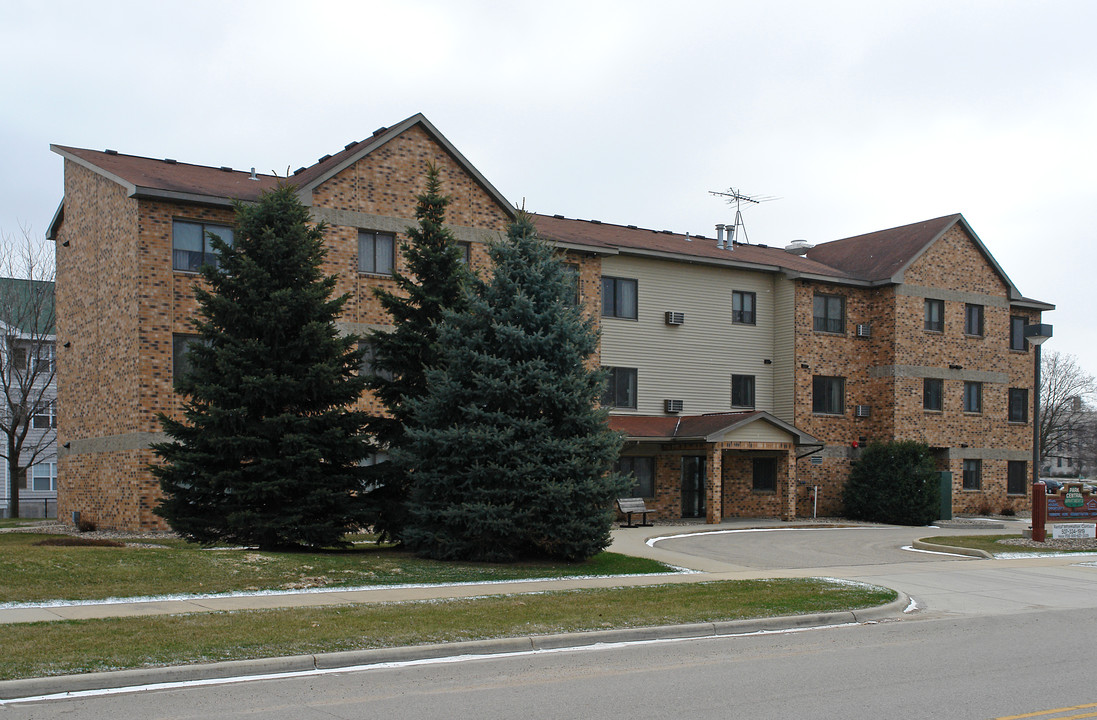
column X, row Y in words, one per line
column 180, row 364
column 742, row 391
column 619, row 298
column 43, row 477
column 191, row 247
column 642, row 470
column 829, row 313
column 620, row 388
column 1017, row 339
column 932, row 393
column 742, row 307
column 973, row 474
column 973, row 319
column 973, row 397
column 376, row 252
column 935, row 315
column 1018, row 405
column 1016, row 477
column 572, row 273
column 828, row 395
column 46, row 416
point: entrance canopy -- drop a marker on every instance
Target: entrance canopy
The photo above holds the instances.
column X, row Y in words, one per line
column 710, row 428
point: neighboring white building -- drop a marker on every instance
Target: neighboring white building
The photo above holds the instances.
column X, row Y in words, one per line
column 28, row 379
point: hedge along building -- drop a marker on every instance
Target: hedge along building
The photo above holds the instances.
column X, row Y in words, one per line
column 714, row 349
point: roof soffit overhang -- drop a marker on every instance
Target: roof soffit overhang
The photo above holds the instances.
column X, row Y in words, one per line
column 305, row 190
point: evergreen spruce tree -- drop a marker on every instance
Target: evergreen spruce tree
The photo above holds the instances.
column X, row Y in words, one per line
column 268, row 452
column 436, row 281
column 511, row 453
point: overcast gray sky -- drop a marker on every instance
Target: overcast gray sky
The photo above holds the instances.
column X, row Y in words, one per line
column 857, row 116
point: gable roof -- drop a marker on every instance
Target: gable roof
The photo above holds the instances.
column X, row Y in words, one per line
column 170, row 179
column 883, row 256
column 709, row 427
column 308, row 179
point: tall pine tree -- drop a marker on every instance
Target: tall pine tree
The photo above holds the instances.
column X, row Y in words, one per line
column 435, row 281
column 511, row 453
column 268, row 452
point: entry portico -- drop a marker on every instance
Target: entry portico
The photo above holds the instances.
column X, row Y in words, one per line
column 717, row 465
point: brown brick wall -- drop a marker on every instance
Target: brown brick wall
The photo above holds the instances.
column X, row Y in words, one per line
column 903, row 354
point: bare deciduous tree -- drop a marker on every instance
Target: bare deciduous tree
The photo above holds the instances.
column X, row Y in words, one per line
column 28, row 418
column 1065, row 389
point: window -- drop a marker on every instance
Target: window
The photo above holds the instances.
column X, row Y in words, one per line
column 932, row 393
column 935, row 315
column 829, row 312
column 465, row 249
column 742, row 307
column 180, row 364
column 742, row 391
column 46, row 417
column 571, row 272
column 828, row 395
column 1018, row 405
column 43, row 477
column 765, row 475
column 619, row 297
column 1017, row 333
column 620, row 388
column 973, row 319
column 191, row 247
column 973, row 397
column 376, row 251
column 1016, row 477
column 642, row 470
column 973, row 474
column 365, row 364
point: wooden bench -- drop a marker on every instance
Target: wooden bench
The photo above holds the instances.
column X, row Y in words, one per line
column 634, row 505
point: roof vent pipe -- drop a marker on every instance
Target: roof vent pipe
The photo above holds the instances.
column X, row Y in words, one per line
column 719, row 236
column 252, row 177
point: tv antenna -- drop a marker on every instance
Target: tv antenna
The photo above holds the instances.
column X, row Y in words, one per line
column 737, row 198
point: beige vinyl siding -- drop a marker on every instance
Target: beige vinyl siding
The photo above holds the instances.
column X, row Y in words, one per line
column 692, row 362
column 758, row 431
column 784, row 348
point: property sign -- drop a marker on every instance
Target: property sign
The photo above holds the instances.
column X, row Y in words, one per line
column 1073, row 531
column 1072, row 503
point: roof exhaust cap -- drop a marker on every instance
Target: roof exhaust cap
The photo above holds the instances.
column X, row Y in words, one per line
column 719, row 236
column 798, row 247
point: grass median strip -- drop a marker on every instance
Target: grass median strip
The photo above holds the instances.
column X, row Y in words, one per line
column 30, row 572
column 993, row 544
column 38, row 649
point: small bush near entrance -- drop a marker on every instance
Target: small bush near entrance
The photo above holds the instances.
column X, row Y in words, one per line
column 894, row 483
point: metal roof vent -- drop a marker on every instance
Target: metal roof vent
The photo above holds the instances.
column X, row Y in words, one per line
column 798, row 247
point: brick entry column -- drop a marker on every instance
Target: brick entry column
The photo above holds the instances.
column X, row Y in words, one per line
column 790, row 486
column 714, row 484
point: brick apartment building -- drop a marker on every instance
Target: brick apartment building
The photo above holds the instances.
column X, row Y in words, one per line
column 741, row 375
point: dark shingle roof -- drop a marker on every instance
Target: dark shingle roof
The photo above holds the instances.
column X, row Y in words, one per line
column 880, row 255
column 623, row 238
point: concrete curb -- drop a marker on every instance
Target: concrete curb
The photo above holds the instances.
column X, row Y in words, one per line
column 61, row 684
column 951, row 549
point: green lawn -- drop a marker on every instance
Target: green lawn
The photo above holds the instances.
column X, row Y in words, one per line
column 32, row 573
column 33, row 650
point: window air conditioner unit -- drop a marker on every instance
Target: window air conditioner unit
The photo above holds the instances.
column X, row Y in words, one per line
column 675, row 318
column 864, row 330
column 672, row 406
column 864, row 410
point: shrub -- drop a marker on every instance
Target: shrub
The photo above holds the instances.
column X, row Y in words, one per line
column 84, row 525
column 1008, row 511
column 894, row 483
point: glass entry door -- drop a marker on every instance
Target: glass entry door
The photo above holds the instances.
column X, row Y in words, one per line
column 693, row 486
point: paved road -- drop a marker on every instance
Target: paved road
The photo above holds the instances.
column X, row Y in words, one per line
column 955, row 668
